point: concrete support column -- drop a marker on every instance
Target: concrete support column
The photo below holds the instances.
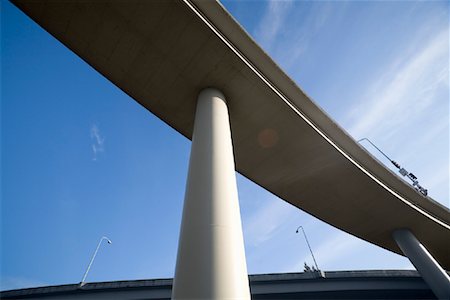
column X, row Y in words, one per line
column 211, row 258
column 433, row 274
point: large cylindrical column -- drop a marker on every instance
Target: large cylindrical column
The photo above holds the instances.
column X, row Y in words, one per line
column 211, row 257
column 433, row 274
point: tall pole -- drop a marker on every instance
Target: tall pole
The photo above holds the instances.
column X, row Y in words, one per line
column 377, row 149
column 92, row 259
column 307, row 242
column 211, row 258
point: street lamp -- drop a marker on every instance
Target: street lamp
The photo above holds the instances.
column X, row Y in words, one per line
column 401, row 170
column 92, row 259
column 307, row 242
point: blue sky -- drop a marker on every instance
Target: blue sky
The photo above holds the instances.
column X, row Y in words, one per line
column 80, row 159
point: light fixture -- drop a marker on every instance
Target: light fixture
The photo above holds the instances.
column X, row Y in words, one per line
column 92, row 259
column 402, row 171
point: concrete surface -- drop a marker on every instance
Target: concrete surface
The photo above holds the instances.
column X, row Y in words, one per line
column 336, row 285
column 211, row 240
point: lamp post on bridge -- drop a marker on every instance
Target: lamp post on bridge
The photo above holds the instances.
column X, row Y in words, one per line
column 92, row 259
column 321, row 274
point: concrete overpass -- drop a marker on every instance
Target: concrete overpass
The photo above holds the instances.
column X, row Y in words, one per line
column 163, row 53
column 405, row 284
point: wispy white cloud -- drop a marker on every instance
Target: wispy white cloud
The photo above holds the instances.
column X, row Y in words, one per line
column 263, row 224
column 287, row 36
column 272, row 22
column 403, row 92
column 310, row 27
column 439, row 178
column 97, row 141
column 437, row 129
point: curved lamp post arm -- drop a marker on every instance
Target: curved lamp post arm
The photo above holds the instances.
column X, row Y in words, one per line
column 93, row 257
column 309, row 246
